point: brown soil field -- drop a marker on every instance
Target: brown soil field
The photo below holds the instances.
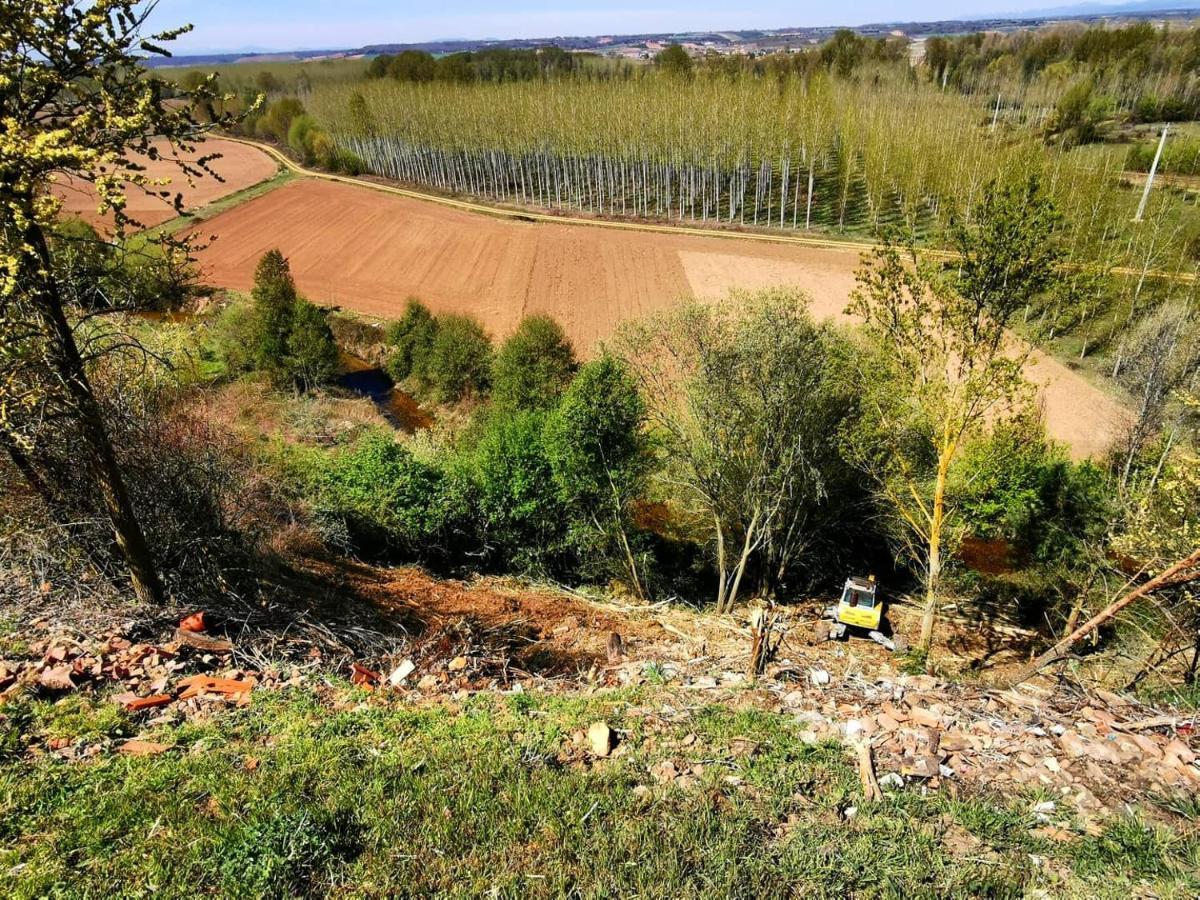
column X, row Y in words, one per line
column 369, row 251
column 240, row 166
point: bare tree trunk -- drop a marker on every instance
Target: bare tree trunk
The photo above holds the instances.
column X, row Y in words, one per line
column 720, row 565
column 1176, row 574
column 937, row 520
column 102, row 461
column 747, row 549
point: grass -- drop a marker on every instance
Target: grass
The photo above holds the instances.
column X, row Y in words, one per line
column 351, row 795
column 229, row 201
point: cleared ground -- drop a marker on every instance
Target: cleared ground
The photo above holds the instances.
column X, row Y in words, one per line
column 240, row 166
column 369, row 251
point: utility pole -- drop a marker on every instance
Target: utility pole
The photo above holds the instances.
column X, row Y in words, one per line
column 1150, row 178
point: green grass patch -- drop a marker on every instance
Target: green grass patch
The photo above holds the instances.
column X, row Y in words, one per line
column 229, row 201
column 300, row 795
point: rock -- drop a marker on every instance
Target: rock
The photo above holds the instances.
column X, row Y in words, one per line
column 1052, row 764
column 427, row 683
column 154, row 701
column 1073, row 744
column 143, row 748
column 923, row 765
column 1178, row 754
column 926, row 718
column 819, row 677
column 892, row 780
column 600, row 739
column 664, row 772
column 457, row 664
column 886, row 722
column 953, row 742
column 57, row 678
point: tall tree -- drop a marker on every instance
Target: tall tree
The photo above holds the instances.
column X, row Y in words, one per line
column 746, row 399
column 941, row 366
column 75, row 100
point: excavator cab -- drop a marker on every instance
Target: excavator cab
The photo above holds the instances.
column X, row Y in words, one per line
column 861, row 608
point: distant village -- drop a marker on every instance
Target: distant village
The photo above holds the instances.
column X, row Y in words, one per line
column 644, row 46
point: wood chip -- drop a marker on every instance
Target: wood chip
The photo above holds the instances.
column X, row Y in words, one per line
column 203, row 642
column 143, row 748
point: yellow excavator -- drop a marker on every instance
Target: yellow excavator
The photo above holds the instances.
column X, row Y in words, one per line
column 860, row 608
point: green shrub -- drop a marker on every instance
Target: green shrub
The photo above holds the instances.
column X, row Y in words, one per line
column 312, row 355
column 594, row 440
column 523, row 522
column 533, row 367
column 274, row 299
column 599, row 460
column 281, row 334
column 1019, row 487
column 411, row 340
column 387, row 498
column 459, row 360
column 276, row 119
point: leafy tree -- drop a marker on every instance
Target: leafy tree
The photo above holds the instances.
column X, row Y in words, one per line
column 460, row 358
column 940, row 367
column 532, row 367
column 1016, row 485
column 77, row 100
column 312, row 355
column 277, row 118
column 674, row 61
column 598, row 454
column 747, row 400
column 411, row 339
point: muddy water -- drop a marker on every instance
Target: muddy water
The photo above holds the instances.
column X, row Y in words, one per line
column 397, row 406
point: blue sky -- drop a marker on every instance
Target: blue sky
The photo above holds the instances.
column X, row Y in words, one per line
column 301, row 24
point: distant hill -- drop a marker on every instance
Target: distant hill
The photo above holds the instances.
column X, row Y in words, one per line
column 1135, row 8
column 726, row 40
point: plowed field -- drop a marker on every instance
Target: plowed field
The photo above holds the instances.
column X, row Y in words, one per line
column 368, row 251
column 240, row 166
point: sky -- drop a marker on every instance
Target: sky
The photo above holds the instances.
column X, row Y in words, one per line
column 335, row 24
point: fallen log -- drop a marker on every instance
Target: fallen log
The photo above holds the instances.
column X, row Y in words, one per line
column 1180, row 573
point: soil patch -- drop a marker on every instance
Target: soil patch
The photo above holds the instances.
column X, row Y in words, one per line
column 372, row 251
column 240, row 167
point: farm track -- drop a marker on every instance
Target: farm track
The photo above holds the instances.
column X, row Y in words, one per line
column 523, row 215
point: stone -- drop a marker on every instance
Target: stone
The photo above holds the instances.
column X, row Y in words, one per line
column 925, row 717
column 600, row 738
column 924, row 765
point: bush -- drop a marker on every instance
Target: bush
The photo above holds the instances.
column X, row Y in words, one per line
column 459, row 361
column 411, row 340
column 312, row 358
column 289, row 337
column 387, row 498
column 533, row 366
column 599, row 460
column 594, row 437
column 276, row 119
column 1019, row 487
column 522, row 520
